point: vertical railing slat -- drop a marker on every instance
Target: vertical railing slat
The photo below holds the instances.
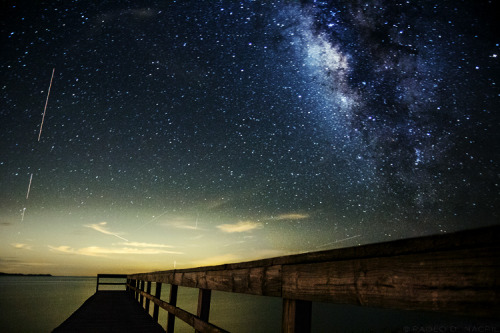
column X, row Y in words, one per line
column 156, row 307
column 203, row 311
column 148, row 290
column 173, row 301
column 141, row 296
column 296, row 316
column 138, row 286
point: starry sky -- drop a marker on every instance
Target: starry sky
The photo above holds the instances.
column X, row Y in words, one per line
column 191, row 133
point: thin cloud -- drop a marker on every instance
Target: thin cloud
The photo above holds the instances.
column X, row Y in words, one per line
column 101, row 227
column 21, row 246
column 197, row 237
column 242, row 226
column 214, row 204
column 291, row 216
column 183, row 224
column 151, row 245
column 97, row 251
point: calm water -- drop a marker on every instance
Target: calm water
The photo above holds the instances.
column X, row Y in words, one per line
column 39, row 304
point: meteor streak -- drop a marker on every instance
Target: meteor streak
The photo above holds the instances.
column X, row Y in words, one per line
column 152, row 220
column 29, row 187
column 46, row 102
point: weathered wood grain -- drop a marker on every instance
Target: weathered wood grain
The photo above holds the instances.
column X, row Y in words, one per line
column 455, row 281
column 254, row 280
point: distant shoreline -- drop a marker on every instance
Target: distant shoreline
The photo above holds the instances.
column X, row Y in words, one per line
column 19, row 274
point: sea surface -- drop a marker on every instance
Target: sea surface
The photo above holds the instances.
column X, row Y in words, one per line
column 40, row 304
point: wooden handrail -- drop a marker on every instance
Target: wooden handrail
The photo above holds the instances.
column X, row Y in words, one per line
column 110, row 276
column 455, row 273
column 191, row 319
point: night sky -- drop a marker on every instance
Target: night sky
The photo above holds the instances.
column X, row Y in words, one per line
column 192, row 133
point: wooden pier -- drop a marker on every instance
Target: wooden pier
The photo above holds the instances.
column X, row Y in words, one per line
column 455, row 273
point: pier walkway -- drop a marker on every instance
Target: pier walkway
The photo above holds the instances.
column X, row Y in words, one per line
column 110, row 311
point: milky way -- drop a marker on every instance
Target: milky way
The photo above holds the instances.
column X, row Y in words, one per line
column 312, row 123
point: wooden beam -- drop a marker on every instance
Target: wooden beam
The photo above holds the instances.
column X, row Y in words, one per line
column 173, row 301
column 255, row 280
column 455, row 273
column 113, row 276
column 148, row 290
column 455, row 281
column 156, row 308
column 137, row 291
column 112, row 283
column 203, row 311
column 189, row 318
column 141, row 295
column 296, row 316
column 134, row 290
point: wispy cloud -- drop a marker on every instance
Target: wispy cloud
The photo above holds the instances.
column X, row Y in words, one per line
column 197, row 237
column 21, row 246
column 242, row 226
column 101, row 227
column 183, row 224
column 291, row 216
column 214, row 204
column 138, row 244
column 98, row 251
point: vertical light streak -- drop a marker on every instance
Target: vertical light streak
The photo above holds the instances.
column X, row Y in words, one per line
column 46, row 102
column 29, row 187
column 39, row 135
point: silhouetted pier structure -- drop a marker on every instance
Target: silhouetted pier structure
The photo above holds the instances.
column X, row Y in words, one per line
column 455, row 273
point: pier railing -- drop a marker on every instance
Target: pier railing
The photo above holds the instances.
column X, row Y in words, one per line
column 113, row 277
column 456, row 273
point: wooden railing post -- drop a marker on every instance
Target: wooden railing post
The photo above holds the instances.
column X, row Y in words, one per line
column 204, row 304
column 156, row 307
column 173, row 301
column 97, row 285
column 138, row 287
column 148, row 290
column 141, row 296
column 296, row 316
column 134, row 284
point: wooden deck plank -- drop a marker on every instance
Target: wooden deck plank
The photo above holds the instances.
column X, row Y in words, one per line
column 110, row 311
